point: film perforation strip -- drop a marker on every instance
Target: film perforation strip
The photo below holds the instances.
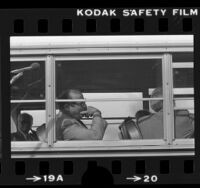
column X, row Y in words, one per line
column 92, row 164
column 115, row 25
column 163, row 24
column 20, row 168
column 43, row 26
column 68, row 168
column 187, row 24
column 139, row 25
column 116, row 167
column 67, row 25
column 164, row 167
column 140, row 167
column 43, row 167
column 19, row 26
column 188, row 166
column 92, row 25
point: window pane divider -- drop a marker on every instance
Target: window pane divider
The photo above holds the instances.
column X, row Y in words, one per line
column 105, row 57
column 50, row 96
column 27, row 101
column 28, row 58
column 108, row 99
column 185, row 142
column 183, row 65
column 184, row 98
column 168, row 108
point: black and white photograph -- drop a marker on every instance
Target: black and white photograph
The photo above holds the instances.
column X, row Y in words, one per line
column 101, row 96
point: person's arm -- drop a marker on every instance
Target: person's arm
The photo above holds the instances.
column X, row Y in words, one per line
column 73, row 131
column 98, row 123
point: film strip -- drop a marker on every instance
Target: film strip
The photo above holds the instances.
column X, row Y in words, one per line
column 106, row 96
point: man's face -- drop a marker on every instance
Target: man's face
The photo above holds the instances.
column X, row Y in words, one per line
column 75, row 108
column 25, row 126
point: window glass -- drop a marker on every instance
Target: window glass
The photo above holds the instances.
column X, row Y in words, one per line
column 28, row 122
column 31, row 84
column 183, row 57
column 27, row 100
column 117, row 88
column 184, row 121
column 108, row 75
column 183, row 77
column 183, row 95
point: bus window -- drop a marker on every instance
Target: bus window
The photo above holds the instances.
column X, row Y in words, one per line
column 30, row 84
column 183, row 95
column 27, row 100
column 118, row 88
column 182, row 57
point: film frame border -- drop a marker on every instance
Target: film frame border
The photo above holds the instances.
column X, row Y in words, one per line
column 24, row 28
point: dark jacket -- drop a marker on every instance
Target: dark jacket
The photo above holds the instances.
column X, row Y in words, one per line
column 18, row 136
column 151, row 126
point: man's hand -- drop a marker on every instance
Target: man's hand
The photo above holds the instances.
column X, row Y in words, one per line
column 91, row 111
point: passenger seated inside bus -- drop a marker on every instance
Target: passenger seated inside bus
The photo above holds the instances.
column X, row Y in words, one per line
column 129, row 128
column 151, row 126
column 24, row 129
column 68, row 121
